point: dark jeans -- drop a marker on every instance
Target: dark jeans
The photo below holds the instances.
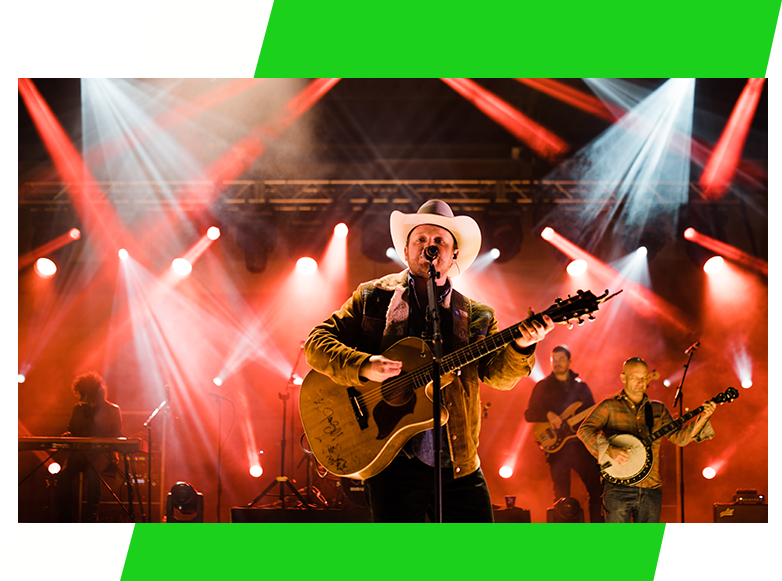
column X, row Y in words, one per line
column 574, row 456
column 404, row 492
column 632, row 503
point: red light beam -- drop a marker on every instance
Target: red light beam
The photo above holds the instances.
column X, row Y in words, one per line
column 727, row 251
column 544, row 142
column 721, row 167
column 88, row 199
column 237, row 159
column 578, row 99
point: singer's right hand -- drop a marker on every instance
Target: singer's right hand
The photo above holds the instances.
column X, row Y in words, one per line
column 377, row 368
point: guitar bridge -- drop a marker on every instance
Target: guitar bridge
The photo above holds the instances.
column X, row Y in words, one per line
column 359, row 409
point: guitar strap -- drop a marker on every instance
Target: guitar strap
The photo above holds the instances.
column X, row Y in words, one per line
column 650, row 418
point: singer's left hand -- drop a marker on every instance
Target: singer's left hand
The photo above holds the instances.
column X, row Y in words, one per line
column 534, row 331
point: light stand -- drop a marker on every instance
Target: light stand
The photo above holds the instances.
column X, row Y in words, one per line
column 282, row 479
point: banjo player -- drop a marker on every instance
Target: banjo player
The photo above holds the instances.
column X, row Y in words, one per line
column 632, row 412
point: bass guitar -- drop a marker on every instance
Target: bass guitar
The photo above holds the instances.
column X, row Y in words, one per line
column 356, row 431
column 639, row 450
column 551, row 439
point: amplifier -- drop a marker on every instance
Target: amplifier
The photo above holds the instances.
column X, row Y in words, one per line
column 740, row 512
column 513, row 514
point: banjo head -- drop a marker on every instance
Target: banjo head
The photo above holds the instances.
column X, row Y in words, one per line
column 638, row 462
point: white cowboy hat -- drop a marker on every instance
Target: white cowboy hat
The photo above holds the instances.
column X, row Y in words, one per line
column 465, row 230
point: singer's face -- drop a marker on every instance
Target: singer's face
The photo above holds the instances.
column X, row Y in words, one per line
column 422, row 237
column 636, row 379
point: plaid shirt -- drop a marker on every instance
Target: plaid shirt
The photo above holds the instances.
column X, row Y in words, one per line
column 619, row 415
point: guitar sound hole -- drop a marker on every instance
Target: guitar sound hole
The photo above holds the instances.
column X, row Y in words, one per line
column 395, row 392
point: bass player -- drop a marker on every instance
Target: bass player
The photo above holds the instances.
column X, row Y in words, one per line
column 551, row 398
column 632, row 412
column 347, row 348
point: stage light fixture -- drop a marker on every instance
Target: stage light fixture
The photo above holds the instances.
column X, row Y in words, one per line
column 709, row 473
column 184, row 500
column 714, row 265
column 650, row 238
column 306, row 265
column 181, row 267
column 21, row 378
column 577, row 267
column 45, row 268
column 495, row 253
column 506, row 472
column 256, row 239
column 74, row 233
column 213, row 233
column 256, row 471
column 123, row 254
column 746, row 384
column 565, row 510
column 54, row 468
column 505, row 235
column 217, row 381
column 341, row 230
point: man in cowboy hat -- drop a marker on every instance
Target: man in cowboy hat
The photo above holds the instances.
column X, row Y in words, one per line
column 348, row 348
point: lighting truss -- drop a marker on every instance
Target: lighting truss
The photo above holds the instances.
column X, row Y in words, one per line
column 317, row 194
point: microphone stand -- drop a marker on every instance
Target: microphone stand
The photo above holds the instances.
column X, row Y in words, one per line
column 678, row 400
column 218, row 399
column 147, row 425
column 437, row 338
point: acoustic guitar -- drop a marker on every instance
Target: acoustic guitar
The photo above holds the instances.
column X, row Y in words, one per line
column 356, row 431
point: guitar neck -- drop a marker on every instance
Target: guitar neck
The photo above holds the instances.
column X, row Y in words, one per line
column 667, row 429
column 485, row 346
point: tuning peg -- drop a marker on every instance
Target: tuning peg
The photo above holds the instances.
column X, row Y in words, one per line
column 591, row 318
column 580, row 321
column 570, row 325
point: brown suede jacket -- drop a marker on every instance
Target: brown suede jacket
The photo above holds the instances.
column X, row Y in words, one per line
column 376, row 317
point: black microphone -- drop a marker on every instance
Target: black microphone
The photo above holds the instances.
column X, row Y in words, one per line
column 692, row 347
column 431, row 253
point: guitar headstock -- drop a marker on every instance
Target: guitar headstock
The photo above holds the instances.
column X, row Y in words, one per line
column 726, row 396
column 576, row 308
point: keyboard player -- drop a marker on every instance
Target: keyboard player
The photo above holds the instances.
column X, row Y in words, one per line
column 94, row 416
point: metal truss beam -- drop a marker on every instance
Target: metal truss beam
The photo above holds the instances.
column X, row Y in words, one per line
column 309, row 195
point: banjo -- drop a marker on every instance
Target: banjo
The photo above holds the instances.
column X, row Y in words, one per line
column 639, row 450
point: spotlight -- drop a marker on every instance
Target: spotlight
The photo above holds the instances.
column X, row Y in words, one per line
column 256, row 240
column 565, row 510
column 306, row 265
column 689, row 233
column 297, row 379
column 45, row 268
column 391, row 253
column 181, row 267
column 709, row 473
column 495, row 253
column 504, row 233
column 713, row 265
column 256, row 471
column 577, row 268
column 123, row 254
column 642, row 251
column 184, row 500
column 746, row 384
column 650, row 238
column 54, row 468
column 217, row 381
column 506, row 472
column 21, row 378
column 547, row 234
column 75, row 233
column 341, row 230
column 213, row 233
